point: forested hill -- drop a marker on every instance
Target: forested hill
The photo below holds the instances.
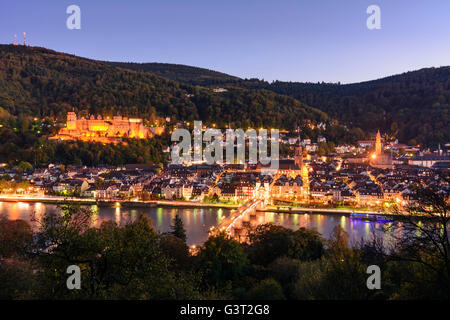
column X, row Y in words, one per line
column 413, row 106
column 180, row 73
column 41, row 82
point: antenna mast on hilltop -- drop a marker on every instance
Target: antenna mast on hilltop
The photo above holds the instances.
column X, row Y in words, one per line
column 24, row 38
column 15, row 39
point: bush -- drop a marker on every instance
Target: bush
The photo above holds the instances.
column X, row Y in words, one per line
column 267, row 289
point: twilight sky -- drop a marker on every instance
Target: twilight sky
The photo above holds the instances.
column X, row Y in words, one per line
column 290, row 40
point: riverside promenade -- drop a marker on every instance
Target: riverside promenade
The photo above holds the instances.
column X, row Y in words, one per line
column 114, row 202
column 186, row 204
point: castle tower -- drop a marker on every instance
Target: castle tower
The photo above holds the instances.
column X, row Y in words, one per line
column 378, row 144
column 71, row 121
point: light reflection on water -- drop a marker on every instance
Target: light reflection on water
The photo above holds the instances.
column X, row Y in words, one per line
column 325, row 223
column 198, row 221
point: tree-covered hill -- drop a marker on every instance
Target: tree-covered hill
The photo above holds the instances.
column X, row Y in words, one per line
column 41, row 82
column 39, row 86
column 180, row 73
column 413, row 106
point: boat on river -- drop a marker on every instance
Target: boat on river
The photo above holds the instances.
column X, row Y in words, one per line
column 369, row 217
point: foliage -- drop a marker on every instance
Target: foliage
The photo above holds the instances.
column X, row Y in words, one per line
column 277, row 263
column 112, row 268
column 177, row 228
column 41, row 82
column 413, row 106
column 269, row 242
column 15, row 235
column 286, row 271
column 39, row 86
column 180, row 73
column 26, row 148
column 222, row 260
column 176, row 249
column 10, row 186
column 267, row 289
column 425, row 245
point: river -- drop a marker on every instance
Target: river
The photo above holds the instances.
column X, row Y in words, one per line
column 198, row 221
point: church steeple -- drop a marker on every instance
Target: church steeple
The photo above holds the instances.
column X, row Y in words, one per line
column 378, row 144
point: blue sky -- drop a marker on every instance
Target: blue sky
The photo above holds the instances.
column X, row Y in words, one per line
column 309, row 40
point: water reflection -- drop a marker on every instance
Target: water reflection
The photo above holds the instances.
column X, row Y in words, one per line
column 324, row 223
column 94, row 210
column 198, row 221
column 117, row 216
column 219, row 215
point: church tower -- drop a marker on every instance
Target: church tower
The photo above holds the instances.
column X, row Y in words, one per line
column 378, row 144
column 298, row 156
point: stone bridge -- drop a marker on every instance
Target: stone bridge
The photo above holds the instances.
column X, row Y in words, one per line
column 237, row 223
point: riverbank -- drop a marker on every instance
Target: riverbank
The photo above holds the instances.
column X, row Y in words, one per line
column 181, row 204
column 116, row 203
column 47, row 199
column 283, row 209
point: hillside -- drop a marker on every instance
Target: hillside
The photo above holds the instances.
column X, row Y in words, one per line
column 37, row 82
column 413, row 107
column 42, row 82
column 39, row 86
column 180, row 73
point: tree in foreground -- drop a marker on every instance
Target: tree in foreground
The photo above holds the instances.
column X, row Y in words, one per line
column 177, row 229
column 422, row 241
column 176, row 249
column 269, row 242
column 16, row 269
column 116, row 262
column 15, row 236
column 345, row 276
column 222, row 260
column 338, row 275
column 267, row 289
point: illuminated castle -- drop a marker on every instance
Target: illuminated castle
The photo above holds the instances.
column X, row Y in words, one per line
column 104, row 130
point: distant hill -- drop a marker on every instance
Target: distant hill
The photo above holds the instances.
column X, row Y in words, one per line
column 180, row 73
column 413, row 106
column 37, row 83
column 41, row 82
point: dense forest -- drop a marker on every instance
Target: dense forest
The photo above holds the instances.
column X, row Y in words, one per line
column 180, row 73
column 37, row 83
column 41, row 82
column 24, row 141
column 413, row 107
